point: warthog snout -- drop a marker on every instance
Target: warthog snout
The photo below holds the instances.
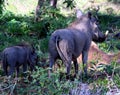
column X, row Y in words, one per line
column 100, row 38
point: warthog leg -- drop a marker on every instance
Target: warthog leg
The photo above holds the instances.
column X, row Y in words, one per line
column 84, row 60
column 68, row 67
column 76, row 66
column 17, row 69
column 5, row 69
column 52, row 61
column 24, row 67
column 11, row 70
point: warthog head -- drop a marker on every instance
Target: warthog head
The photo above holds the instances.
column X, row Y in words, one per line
column 33, row 58
column 98, row 36
column 92, row 24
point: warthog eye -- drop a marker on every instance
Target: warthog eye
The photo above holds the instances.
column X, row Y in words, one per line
column 97, row 23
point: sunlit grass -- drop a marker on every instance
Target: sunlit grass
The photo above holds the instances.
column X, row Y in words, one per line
column 27, row 6
column 21, row 6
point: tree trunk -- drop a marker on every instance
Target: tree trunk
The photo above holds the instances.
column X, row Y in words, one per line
column 53, row 3
column 37, row 11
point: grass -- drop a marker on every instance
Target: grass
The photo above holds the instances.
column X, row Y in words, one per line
column 23, row 7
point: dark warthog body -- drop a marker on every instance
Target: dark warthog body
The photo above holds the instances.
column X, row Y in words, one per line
column 15, row 56
column 67, row 44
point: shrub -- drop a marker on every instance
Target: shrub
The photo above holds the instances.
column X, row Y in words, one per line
column 17, row 27
column 42, row 85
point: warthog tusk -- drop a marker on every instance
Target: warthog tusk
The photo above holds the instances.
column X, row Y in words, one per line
column 106, row 33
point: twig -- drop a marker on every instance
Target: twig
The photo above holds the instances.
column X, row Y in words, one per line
column 111, row 85
column 113, row 70
column 13, row 88
column 6, row 87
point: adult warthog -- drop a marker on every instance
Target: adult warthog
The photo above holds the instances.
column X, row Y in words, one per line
column 15, row 56
column 67, row 44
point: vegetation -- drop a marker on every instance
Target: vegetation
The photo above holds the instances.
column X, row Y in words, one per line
column 18, row 26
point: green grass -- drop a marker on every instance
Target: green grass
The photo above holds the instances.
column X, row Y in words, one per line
column 21, row 7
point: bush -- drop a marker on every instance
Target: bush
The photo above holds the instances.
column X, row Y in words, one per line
column 42, row 85
column 17, row 28
column 44, row 44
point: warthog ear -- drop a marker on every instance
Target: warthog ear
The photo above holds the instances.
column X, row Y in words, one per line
column 78, row 13
column 89, row 14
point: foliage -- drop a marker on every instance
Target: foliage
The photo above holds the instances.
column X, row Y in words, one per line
column 44, row 44
column 38, row 82
column 70, row 3
column 10, row 40
column 114, row 1
column 21, row 7
column 17, row 27
column 43, row 85
column 1, row 6
column 116, row 80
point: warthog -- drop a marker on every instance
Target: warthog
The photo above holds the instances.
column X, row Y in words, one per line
column 15, row 56
column 67, row 44
column 100, row 57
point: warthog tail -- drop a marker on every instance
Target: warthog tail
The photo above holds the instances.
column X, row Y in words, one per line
column 61, row 54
